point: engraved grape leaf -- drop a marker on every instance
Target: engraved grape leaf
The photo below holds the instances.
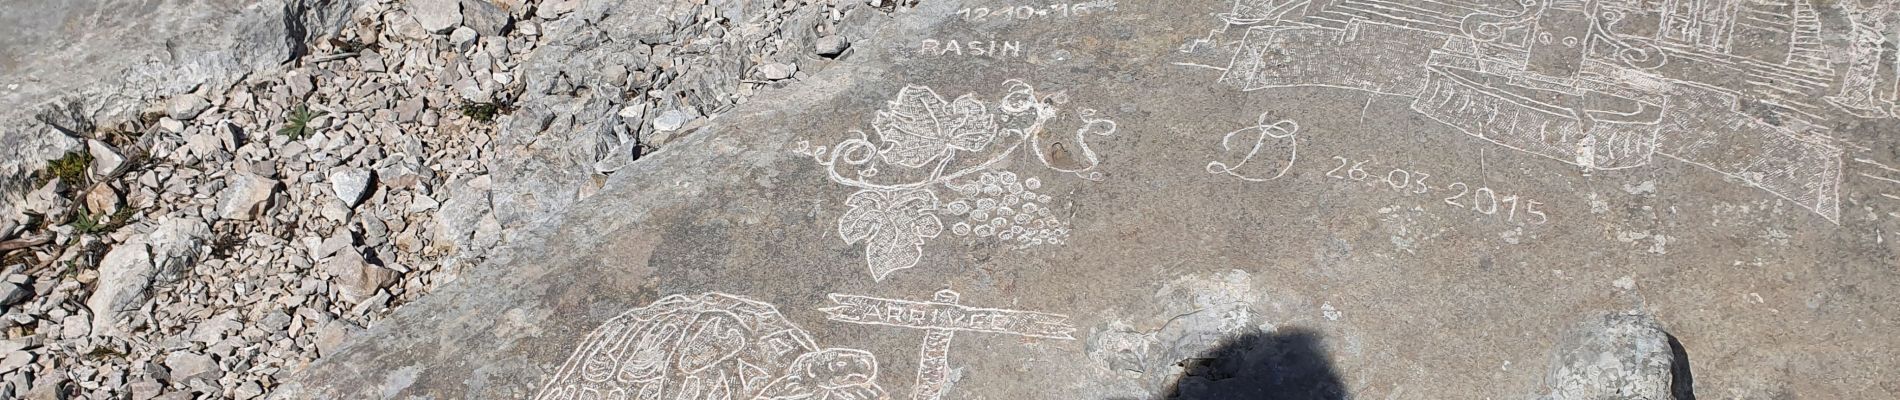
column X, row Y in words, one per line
column 892, row 224
column 920, row 126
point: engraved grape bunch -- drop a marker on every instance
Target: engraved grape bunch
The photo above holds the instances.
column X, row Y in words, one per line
column 997, row 206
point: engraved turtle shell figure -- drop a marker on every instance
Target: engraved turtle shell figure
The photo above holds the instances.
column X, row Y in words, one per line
column 713, row 346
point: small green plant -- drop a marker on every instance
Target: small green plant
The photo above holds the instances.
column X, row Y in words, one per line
column 226, row 245
column 351, row 45
column 483, row 112
column 298, row 124
column 150, row 118
column 70, row 168
column 85, row 223
column 119, row 219
column 104, row 353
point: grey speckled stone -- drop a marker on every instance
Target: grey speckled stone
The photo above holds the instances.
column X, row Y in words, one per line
column 1615, row 356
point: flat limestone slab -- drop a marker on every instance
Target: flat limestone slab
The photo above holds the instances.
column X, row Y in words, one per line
column 1095, row 199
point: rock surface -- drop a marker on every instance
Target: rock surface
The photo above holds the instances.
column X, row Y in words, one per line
column 1135, row 198
column 933, row 199
column 109, row 60
column 219, row 221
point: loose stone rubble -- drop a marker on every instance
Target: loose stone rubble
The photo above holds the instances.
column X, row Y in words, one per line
column 235, row 233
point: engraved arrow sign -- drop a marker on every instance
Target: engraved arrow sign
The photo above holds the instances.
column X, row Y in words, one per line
column 940, row 319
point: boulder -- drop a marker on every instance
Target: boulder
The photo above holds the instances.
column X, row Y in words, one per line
column 331, row 335
column 460, row 216
column 114, row 70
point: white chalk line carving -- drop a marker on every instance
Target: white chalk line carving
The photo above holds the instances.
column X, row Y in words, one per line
column 1860, row 92
column 940, row 319
column 711, row 346
column 1877, row 164
column 1880, row 178
column 1882, row 168
column 1602, row 85
column 1274, row 137
column 924, row 144
column 999, row 206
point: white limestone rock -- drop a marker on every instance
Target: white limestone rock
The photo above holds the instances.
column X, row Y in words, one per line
column 246, row 196
column 436, row 16
column 350, row 184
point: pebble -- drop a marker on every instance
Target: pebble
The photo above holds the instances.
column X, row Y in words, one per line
column 186, row 366
column 246, row 197
column 124, row 275
column 75, row 326
column 436, row 16
column 186, row 107
column 171, row 125
column 102, row 200
column 463, row 37
column 105, row 160
column 354, row 278
column 13, row 293
column 350, row 184
column 831, row 46
column 671, row 120
column 777, row 71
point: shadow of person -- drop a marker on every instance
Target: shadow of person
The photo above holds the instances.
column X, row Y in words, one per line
column 1288, row 364
column 1682, row 386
